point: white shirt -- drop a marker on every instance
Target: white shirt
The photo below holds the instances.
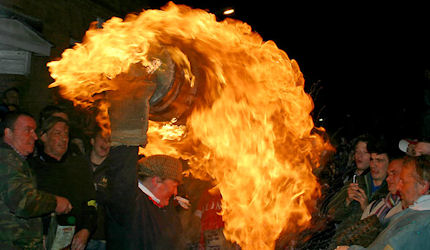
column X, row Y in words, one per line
column 147, row 192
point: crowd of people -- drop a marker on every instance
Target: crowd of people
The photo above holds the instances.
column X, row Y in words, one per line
column 66, row 187
column 63, row 188
column 378, row 201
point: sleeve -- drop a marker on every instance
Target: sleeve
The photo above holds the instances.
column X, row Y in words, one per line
column 123, row 183
column 414, row 235
column 337, row 208
column 366, row 213
column 88, row 216
column 20, row 193
column 362, row 233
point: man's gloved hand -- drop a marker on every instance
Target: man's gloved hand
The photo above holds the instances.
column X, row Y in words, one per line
column 185, row 203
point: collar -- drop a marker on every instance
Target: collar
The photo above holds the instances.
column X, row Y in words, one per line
column 6, row 145
column 47, row 158
column 150, row 195
column 423, row 203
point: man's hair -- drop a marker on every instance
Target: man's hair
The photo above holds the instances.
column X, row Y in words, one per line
column 383, row 145
column 48, row 111
column 48, row 123
column 9, row 120
column 96, row 131
column 4, row 96
column 361, row 138
column 422, row 166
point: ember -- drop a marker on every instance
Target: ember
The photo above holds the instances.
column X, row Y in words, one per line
column 244, row 120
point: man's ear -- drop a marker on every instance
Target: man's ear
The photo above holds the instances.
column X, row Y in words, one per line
column 426, row 187
column 423, row 187
column 8, row 132
column 92, row 142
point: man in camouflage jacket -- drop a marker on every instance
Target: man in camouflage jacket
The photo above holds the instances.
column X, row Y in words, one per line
column 21, row 204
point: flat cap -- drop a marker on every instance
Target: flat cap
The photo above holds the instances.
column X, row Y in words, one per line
column 163, row 166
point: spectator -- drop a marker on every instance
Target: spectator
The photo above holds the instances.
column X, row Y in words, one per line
column 376, row 215
column 348, row 206
column 77, row 140
column 99, row 162
column 212, row 225
column 21, row 204
column 360, row 166
column 361, row 158
column 61, row 173
column 10, row 100
column 350, row 202
column 383, row 207
column 410, row 229
column 333, row 204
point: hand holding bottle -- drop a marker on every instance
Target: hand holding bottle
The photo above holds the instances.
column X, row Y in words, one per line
column 63, row 205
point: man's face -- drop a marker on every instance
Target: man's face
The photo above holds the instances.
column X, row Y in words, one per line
column 56, row 140
column 101, row 145
column 12, row 98
column 378, row 166
column 409, row 187
column 361, row 156
column 393, row 175
column 164, row 189
column 23, row 135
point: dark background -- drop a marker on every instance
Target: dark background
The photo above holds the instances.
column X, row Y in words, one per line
column 364, row 64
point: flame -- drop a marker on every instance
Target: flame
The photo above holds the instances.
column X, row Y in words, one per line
column 249, row 129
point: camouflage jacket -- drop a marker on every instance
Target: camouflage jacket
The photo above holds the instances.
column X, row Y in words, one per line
column 21, row 204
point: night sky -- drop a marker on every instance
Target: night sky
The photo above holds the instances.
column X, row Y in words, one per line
column 368, row 62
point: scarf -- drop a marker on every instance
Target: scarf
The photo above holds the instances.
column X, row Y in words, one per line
column 390, row 201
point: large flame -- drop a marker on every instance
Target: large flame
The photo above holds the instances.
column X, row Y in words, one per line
column 250, row 128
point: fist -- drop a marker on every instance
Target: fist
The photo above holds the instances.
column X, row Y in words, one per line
column 63, row 205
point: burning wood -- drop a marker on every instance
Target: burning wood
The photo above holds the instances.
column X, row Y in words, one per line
column 242, row 112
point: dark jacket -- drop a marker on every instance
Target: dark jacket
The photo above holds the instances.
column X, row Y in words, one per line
column 101, row 182
column 134, row 221
column 71, row 178
column 153, row 227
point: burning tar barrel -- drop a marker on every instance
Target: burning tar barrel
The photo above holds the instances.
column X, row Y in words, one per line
column 161, row 93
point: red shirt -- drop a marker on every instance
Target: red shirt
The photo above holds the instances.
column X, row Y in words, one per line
column 210, row 206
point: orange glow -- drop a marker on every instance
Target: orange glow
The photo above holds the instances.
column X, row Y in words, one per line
column 249, row 129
